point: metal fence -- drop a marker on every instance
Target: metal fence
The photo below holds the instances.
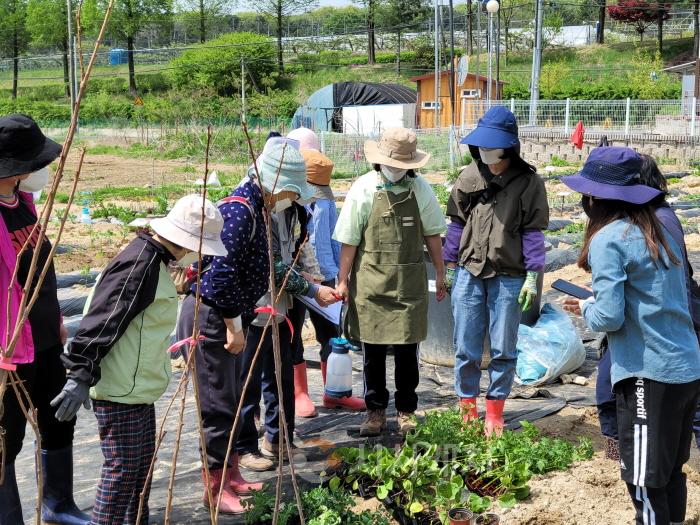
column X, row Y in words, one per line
column 656, row 118
column 348, row 155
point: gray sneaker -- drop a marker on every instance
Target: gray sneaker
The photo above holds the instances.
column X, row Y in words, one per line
column 374, row 423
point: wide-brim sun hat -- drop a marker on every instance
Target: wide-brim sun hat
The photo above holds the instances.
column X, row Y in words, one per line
column 612, row 173
column 498, row 128
column 23, row 147
column 288, row 162
column 396, row 148
column 182, row 226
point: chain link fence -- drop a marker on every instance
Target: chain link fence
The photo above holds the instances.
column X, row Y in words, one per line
column 656, row 118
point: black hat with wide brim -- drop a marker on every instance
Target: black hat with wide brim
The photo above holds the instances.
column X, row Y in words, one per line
column 23, row 147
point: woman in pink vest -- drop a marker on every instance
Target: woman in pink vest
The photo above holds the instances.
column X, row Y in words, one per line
column 25, row 154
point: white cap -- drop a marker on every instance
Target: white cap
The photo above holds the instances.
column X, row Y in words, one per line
column 183, row 224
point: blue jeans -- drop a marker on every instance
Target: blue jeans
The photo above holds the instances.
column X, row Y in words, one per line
column 478, row 304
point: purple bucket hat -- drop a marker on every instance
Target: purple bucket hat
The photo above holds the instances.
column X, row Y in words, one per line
column 612, row 173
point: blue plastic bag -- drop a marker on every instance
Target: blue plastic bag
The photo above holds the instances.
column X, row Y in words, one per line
column 548, row 349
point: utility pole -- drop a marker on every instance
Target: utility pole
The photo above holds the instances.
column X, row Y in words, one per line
column 437, row 64
column 536, row 62
column 696, row 94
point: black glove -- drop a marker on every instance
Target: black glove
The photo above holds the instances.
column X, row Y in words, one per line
column 74, row 394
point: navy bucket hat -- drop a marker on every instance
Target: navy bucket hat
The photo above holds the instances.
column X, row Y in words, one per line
column 612, row 173
column 498, row 128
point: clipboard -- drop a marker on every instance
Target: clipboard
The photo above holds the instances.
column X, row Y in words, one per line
column 332, row 312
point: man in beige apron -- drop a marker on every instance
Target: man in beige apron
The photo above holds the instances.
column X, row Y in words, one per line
column 389, row 214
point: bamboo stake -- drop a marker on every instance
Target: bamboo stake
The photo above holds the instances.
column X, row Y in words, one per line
column 48, row 207
column 195, row 335
column 190, row 368
column 31, row 414
column 276, row 351
column 161, row 436
column 49, row 261
column 173, row 463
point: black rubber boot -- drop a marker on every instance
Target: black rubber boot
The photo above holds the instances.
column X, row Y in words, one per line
column 58, row 506
column 10, row 504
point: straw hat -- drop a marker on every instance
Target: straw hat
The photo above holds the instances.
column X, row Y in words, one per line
column 183, row 224
column 396, row 148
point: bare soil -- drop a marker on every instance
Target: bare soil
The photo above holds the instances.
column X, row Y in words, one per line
column 591, row 491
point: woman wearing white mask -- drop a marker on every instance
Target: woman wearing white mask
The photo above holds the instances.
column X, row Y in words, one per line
column 389, row 215
column 119, row 356
column 24, row 154
column 494, row 250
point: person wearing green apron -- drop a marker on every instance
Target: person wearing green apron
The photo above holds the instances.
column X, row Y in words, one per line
column 389, row 215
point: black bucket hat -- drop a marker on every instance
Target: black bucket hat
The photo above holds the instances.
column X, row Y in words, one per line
column 23, row 147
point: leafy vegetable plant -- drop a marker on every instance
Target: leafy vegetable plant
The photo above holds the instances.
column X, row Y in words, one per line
column 447, row 463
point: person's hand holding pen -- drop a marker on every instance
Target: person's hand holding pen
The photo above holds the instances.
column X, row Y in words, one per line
column 326, row 296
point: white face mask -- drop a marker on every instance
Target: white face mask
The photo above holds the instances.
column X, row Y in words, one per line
column 282, row 205
column 188, row 259
column 491, row 155
column 393, row 174
column 37, row 181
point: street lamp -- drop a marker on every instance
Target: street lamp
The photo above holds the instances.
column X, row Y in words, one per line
column 492, row 7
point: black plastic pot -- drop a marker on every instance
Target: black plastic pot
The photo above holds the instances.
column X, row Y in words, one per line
column 438, row 348
column 460, row 516
column 488, row 519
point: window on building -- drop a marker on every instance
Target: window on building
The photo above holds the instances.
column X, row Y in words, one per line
column 471, row 93
column 430, row 104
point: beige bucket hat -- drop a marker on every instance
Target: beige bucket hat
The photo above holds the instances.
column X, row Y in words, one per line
column 397, row 148
column 183, row 224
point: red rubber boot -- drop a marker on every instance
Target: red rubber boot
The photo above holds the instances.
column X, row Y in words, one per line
column 230, row 502
column 467, row 405
column 303, row 406
column 237, row 482
column 494, row 417
column 355, row 404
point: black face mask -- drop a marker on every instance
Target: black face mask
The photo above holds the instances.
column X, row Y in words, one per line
column 586, row 204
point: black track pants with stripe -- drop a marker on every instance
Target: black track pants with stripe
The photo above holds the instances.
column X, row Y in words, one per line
column 655, row 422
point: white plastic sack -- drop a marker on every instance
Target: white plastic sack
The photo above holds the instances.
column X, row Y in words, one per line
column 548, row 349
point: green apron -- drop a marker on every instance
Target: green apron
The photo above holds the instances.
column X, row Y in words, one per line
column 388, row 301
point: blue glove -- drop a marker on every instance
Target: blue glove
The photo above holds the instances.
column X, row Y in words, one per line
column 74, row 394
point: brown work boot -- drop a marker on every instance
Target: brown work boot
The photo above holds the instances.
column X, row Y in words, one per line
column 256, row 462
column 374, row 423
column 407, row 421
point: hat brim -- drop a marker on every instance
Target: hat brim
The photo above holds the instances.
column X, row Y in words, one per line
column 171, row 232
column 11, row 167
column 374, row 156
column 635, row 193
column 487, row 137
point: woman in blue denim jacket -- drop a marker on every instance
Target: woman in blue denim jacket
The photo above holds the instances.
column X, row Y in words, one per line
column 641, row 302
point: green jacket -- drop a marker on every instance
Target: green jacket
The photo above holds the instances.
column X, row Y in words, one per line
column 120, row 348
column 491, row 242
